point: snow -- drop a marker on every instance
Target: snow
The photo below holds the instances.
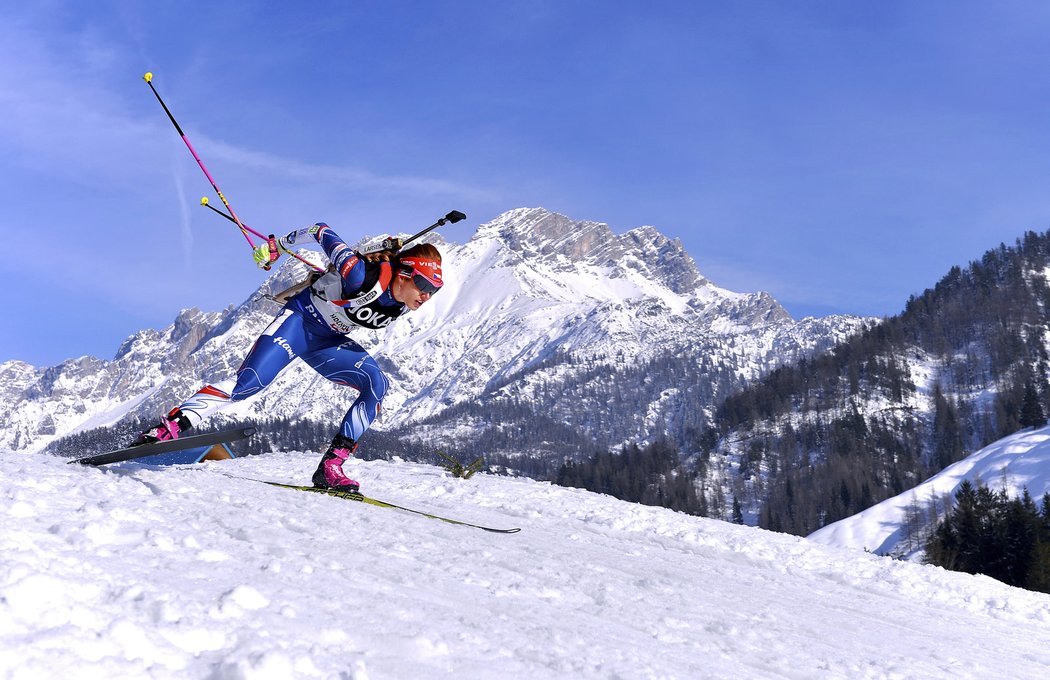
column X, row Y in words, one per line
column 1014, row 463
column 138, row 571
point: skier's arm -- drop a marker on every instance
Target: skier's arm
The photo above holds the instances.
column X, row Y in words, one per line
column 264, row 255
column 342, row 256
column 350, row 267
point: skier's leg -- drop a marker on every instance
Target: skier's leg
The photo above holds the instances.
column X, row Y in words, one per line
column 348, row 364
column 188, row 414
column 282, row 341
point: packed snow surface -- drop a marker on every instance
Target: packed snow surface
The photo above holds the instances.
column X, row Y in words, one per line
column 185, row 572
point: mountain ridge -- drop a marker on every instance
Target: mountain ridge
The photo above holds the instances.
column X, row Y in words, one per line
column 527, row 285
column 965, row 364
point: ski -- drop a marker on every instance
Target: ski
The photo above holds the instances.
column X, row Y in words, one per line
column 144, row 450
column 354, row 496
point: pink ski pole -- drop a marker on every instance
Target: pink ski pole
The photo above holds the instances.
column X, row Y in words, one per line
column 244, row 229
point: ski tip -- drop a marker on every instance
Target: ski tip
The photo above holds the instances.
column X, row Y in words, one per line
column 148, row 77
column 204, row 200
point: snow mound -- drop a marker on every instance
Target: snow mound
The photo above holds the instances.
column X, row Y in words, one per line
column 1014, row 463
column 136, row 571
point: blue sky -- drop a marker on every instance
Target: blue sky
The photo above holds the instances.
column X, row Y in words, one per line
column 839, row 155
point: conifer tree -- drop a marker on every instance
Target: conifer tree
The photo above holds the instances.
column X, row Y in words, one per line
column 1031, row 408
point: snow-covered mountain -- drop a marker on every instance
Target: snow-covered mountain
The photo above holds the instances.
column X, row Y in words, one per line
column 962, row 366
column 1015, row 463
column 533, row 298
column 141, row 572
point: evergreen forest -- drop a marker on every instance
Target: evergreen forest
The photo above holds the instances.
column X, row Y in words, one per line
column 986, row 532
column 963, row 365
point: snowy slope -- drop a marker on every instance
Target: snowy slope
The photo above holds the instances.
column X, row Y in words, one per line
column 1013, row 463
column 187, row 573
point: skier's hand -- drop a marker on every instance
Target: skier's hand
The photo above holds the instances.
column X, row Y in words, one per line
column 265, row 254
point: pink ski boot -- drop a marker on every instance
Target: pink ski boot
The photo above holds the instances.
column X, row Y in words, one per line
column 329, row 474
column 169, row 428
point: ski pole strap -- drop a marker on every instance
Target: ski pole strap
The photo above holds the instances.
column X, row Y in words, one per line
column 275, row 251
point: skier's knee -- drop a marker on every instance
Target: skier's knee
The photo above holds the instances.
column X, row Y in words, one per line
column 381, row 385
column 377, row 383
column 248, row 383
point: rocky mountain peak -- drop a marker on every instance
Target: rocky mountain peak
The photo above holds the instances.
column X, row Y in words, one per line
column 664, row 256
column 538, row 232
column 564, row 242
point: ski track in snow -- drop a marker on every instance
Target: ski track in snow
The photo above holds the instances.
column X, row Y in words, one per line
column 136, row 571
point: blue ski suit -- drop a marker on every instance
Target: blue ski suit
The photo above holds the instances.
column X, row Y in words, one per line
column 313, row 327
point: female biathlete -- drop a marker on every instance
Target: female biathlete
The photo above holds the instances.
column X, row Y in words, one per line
column 358, row 290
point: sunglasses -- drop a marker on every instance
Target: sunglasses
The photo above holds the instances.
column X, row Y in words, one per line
column 422, row 282
column 424, row 285
column 417, row 268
